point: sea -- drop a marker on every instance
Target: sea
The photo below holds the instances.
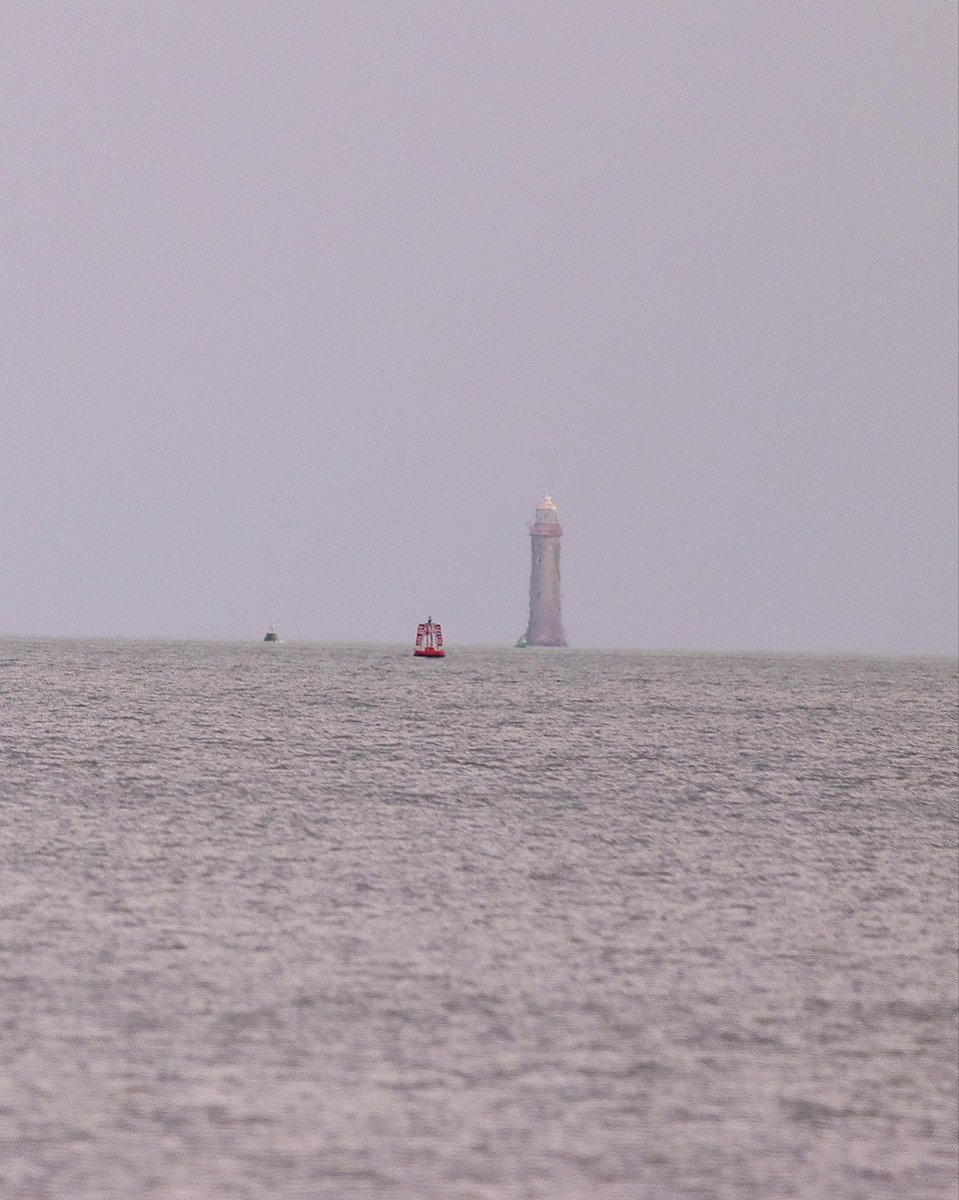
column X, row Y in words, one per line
column 334, row 923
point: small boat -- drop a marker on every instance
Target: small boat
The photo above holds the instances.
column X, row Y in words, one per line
column 271, row 635
column 429, row 640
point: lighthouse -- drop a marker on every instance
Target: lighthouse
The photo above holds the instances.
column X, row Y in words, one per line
column 545, row 607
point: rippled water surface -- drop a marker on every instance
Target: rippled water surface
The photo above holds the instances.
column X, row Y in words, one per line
column 303, row 921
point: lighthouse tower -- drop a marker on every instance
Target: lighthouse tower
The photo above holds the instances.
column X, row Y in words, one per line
column 545, row 610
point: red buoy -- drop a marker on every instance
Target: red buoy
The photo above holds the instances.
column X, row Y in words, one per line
column 429, row 640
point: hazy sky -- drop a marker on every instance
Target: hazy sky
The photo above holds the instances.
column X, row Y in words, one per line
column 307, row 302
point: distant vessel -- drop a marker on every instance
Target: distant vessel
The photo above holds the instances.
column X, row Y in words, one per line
column 429, row 640
column 271, row 635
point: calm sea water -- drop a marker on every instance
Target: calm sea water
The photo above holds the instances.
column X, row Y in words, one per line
column 325, row 922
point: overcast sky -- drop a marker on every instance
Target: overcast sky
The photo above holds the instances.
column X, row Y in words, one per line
column 306, row 303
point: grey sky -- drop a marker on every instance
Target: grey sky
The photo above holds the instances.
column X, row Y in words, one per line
column 306, row 304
